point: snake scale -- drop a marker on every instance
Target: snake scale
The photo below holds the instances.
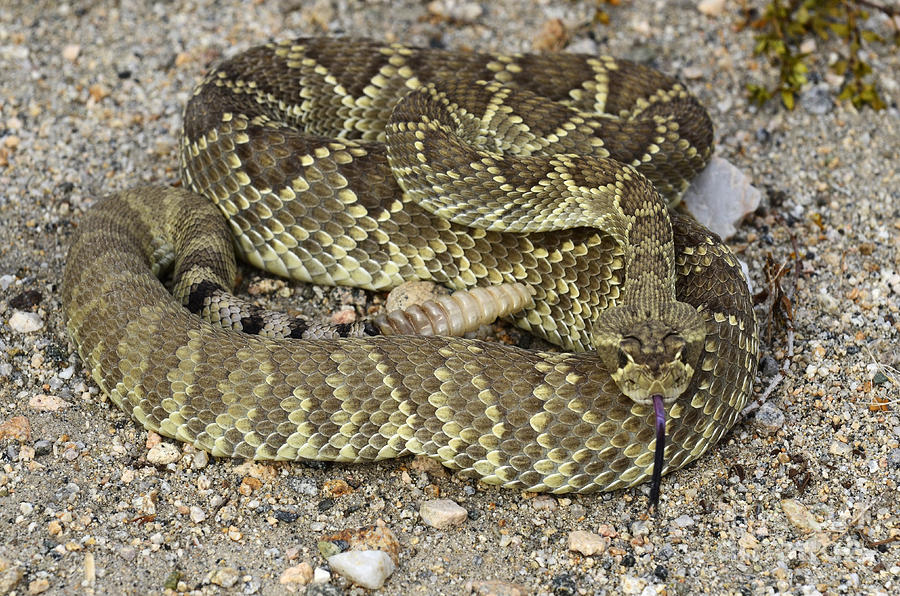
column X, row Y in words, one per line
column 347, row 162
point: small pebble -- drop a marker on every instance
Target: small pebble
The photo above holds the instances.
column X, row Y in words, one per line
column 10, row 575
column 768, row 419
column 632, row 585
column 367, row 568
column 840, row 449
column 683, row 521
column 797, row 513
column 226, row 577
column 25, row 322
column 768, row 366
column 587, row 543
column 163, row 454
column 70, row 52
column 301, row 574
column 544, row 502
column 200, row 461
column 711, row 8
column 47, row 403
column 38, row 586
column 442, row 513
column 197, row 514
column 817, row 100
column 321, row 575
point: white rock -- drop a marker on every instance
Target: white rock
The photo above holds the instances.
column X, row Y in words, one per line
column 587, row 543
column 721, row 196
column 684, row 521
column 839, row 448
column 632, row 585
column 201, row 459
column 321, row 575
column 163, row 454
column 197, row 514
column 367, row 568
column 442, row 513
column 25, row 322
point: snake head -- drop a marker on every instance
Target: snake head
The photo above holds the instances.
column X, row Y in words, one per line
column 653, row 351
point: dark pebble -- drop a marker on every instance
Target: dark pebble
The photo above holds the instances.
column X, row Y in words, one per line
column 661, row 572
column 768, row 366
column 326, row 504
column 26, row 300
column 563, row 585
column 879, row 379
column 628, row 561
column 42, row 447
column 57, row 354
column 763, row 135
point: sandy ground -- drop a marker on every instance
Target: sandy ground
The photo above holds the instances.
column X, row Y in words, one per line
column 802, row 499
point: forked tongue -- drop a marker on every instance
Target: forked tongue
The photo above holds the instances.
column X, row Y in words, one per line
column 656, row 478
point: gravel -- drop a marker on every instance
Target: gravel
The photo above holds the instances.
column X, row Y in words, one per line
column 802, row 501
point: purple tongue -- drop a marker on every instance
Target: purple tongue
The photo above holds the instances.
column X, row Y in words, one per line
column 656, row 479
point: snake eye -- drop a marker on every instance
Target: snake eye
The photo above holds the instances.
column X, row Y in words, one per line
column 674, row 344
column 628, row 347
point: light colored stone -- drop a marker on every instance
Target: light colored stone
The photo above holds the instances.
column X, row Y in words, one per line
column 70, row 52
column 47, row 403
column 442, row 513
column 768, row 419
column 197, row 514
column 799, row 516
column 201, row 459
column 840, row 449
column 587, row 543
column 632, row 585
column 10, row 575
column 711, row 8
column 226, row 577
column 721, row 196
column 163, row 454
column 367, row 568
column 25, row 322
column 301, row 574
column 321, row 576
column 544, row 503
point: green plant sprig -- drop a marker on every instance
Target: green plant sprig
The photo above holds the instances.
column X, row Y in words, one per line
column 785, row 25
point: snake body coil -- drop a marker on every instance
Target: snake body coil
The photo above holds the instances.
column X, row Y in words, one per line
column 347, row 162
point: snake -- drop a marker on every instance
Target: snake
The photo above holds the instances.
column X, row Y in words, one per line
column 341, row 161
